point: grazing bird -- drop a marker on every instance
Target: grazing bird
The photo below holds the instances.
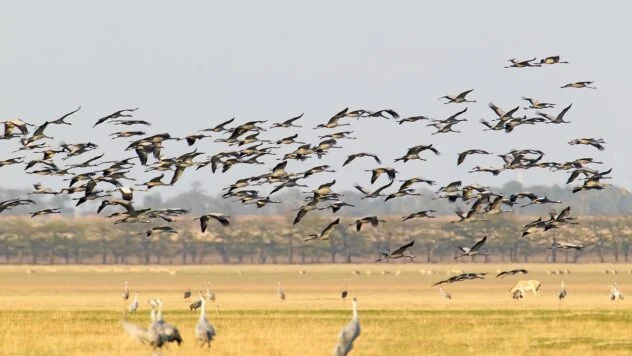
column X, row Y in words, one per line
column 134, row 305
column 348, row 333
column 398, row 253
column 517, row 294
column 280, row 292
column 585, row 84
column 198, row 303
column 458, row 98
column 615, row 293
column 512, row 272
column 325, row 234
column 187, row 293
column 373, row 220
column 472, row 251
column 220, row 217
column 562, row 294
column 344, row 293
column 204, row 331
column 125, row 293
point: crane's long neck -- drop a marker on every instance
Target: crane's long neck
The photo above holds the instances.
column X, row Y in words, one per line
column 355, row 310
column 136, row 298
column 202, row 309
column 152, row 315
column 159, row 313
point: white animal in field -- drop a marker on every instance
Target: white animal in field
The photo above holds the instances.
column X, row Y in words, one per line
column 525, row 286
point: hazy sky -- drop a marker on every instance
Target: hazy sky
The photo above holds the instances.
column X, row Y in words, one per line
column 190, row 65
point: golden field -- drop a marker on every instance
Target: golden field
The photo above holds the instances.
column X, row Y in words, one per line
column 76, row 310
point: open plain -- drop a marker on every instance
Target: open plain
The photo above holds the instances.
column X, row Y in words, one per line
column 77, row 310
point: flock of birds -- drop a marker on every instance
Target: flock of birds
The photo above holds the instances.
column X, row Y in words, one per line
column 160, row 333
column 88, row 178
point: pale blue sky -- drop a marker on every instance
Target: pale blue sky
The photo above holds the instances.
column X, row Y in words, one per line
column 189, row 65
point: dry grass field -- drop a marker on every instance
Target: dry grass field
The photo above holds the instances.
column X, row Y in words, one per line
column 76, row 310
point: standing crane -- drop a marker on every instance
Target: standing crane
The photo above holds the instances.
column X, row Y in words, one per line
column 209, row 295
column 125, row 293
column 280, row 292
column 134, row 305
column 168, row 332
column 562, row 293
column 348, row 333
column 204, row 331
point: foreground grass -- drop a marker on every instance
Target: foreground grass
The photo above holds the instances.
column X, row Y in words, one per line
column 77, row 310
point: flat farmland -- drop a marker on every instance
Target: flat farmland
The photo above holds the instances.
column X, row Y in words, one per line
column 76, row 310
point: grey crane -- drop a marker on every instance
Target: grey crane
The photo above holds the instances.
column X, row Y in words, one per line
column 536, row 104
column 125, row 293
column 204, row 331
column 559, row 119
column 398, row 253
column 209, row 295
column 552, row 60
column 503, row 274
column 373, row 220
column 348, row 333
column 458, row 98
column 325, row 234
column 280, row 292
column 472, row 251
column 287, row 123
column 595, row 142
column 134, row 305
column 168, row 332
column 361, row 154
column 464, row 154
column 196, row 304
column 515, row 63
column 584, row 84
column 420, row 214
column 376, row 193
column 562, row 294
column 220, row 217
